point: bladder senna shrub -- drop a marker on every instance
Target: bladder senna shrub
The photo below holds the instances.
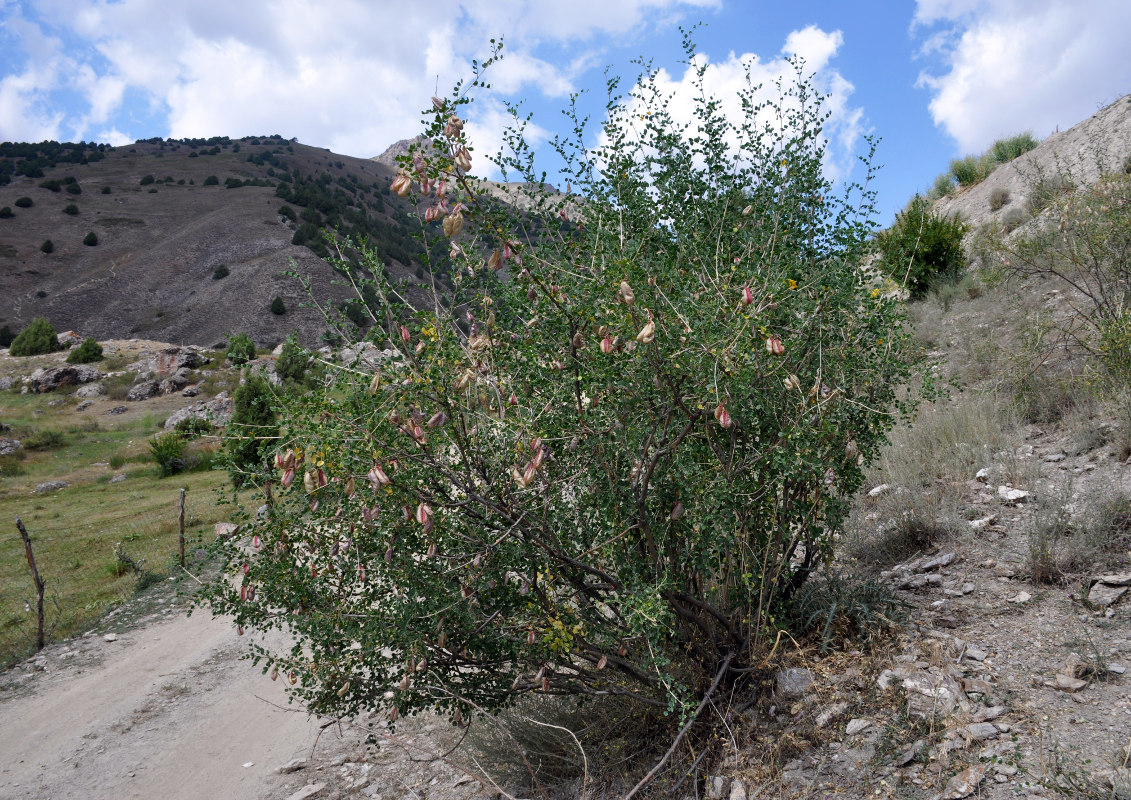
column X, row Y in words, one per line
column 604, row 461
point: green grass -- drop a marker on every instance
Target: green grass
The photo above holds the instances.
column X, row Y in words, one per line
column 75, row 530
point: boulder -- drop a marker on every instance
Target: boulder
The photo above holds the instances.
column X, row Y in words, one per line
column 144, row 391
column 1102, row 595
column 68, row 339
column 50, row 486
column 218, row 411
column 90, row 390
column 7, row 382
column 9, row 446
column 49, row 379
column 172, row 359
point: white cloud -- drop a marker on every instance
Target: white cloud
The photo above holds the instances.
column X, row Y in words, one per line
column 350, row 75
column 1015, row 65
column 726, row 80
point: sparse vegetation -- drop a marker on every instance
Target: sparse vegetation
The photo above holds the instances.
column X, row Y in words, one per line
column 999, row 197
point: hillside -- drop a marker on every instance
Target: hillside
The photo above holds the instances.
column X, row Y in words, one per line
column 167, row 215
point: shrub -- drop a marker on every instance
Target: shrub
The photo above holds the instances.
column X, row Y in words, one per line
column 1086, row 245
column 6, row 212
column 211, row 180
column 24, row 202
column 1046, row 190
column 44, row 440
column 6, row 336
column 969, row 170
column 71, row 210
column 86, row 353
column 1005, row 150
column 1013, row 219
column 52, row 185
column 37, row 338
column 278, row 307
column 922, row 246
column 168, row 451
column 72, row 187
column 241, row 349
column 287, row 212
column 91, row 239
column 47, row 247
column 614, row 480
column 999, row 196
column 290, row 366
column 846, row 608
column 943, row 186
column 193, row 427
column 145, row 181
column 220, row 272
column 251, row 434
column 105, row 190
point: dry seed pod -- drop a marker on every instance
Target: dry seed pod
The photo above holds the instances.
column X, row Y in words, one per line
column 626, row 295
column 601, row 664
column 275, row 673
column 345, row 688
column 647, row 333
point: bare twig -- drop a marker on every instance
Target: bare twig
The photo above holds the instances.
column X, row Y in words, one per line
column 683, row 731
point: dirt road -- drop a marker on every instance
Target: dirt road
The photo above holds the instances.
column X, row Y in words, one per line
column 163, row 711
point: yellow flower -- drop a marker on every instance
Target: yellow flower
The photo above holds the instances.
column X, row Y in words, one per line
column 792, row 283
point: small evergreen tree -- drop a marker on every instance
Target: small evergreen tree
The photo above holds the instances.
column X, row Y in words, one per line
column 252, row 431
column 47, row 247
column 91, row 239
column 211, row 180
column 277, row 306
column 6, row 212
column 37, row 338
column 24, row 202
column 71, row 210
column 6, row 336
column 220, row 272
column 86, row 353
column 290, row 366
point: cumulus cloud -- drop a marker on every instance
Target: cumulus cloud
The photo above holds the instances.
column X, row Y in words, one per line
column 350, row 75
column 1007, row 66
column 728, row 79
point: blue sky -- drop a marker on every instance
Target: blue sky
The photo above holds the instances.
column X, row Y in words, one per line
column 933, row 79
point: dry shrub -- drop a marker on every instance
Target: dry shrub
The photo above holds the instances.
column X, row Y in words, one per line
column 557, row 747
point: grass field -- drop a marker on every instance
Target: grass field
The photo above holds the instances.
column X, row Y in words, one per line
column 75, row 530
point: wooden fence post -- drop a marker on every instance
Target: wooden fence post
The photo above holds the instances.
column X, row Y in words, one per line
column 40, row 639
column 181, row 525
